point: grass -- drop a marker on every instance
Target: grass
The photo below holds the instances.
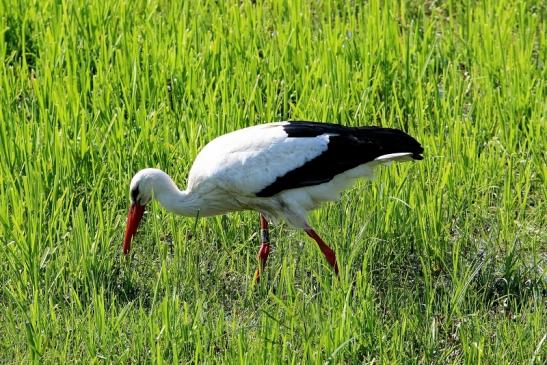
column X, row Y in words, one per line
column 442, row 261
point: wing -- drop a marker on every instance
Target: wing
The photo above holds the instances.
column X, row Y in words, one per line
column 265, row 160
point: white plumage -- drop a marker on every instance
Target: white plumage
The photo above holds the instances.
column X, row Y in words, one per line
column 282, row 170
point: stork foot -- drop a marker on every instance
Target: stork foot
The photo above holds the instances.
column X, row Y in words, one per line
column 262, row 255
column 264, row 250
column 325, row 249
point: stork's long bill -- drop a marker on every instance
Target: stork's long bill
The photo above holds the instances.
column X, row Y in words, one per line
column 133, row 219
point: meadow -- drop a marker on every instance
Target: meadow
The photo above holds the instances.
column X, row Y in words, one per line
column 442, row 261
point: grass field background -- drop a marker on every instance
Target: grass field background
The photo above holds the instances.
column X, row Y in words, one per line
column 442, row 261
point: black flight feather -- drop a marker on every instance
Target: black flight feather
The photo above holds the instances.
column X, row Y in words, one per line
column 348, row 147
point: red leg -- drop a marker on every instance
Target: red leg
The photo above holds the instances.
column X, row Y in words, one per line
column 327, row 251
column 264, row 250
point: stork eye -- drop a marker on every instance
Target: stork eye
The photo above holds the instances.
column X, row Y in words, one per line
column 134, row 194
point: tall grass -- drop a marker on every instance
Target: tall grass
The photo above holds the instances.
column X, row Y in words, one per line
column 442, row 261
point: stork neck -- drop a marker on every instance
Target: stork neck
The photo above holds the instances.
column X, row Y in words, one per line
column 180, row 202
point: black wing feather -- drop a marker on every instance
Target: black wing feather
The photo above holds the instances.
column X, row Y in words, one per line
column 348, row 147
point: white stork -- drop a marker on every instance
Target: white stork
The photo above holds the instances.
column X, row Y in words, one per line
column 282, row 170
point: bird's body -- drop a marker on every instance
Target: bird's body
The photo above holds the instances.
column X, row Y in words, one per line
column 282, row 170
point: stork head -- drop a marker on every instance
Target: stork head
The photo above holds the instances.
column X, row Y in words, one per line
column 144, row 186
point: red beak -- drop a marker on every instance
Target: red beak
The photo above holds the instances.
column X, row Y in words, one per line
column 133, row 218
